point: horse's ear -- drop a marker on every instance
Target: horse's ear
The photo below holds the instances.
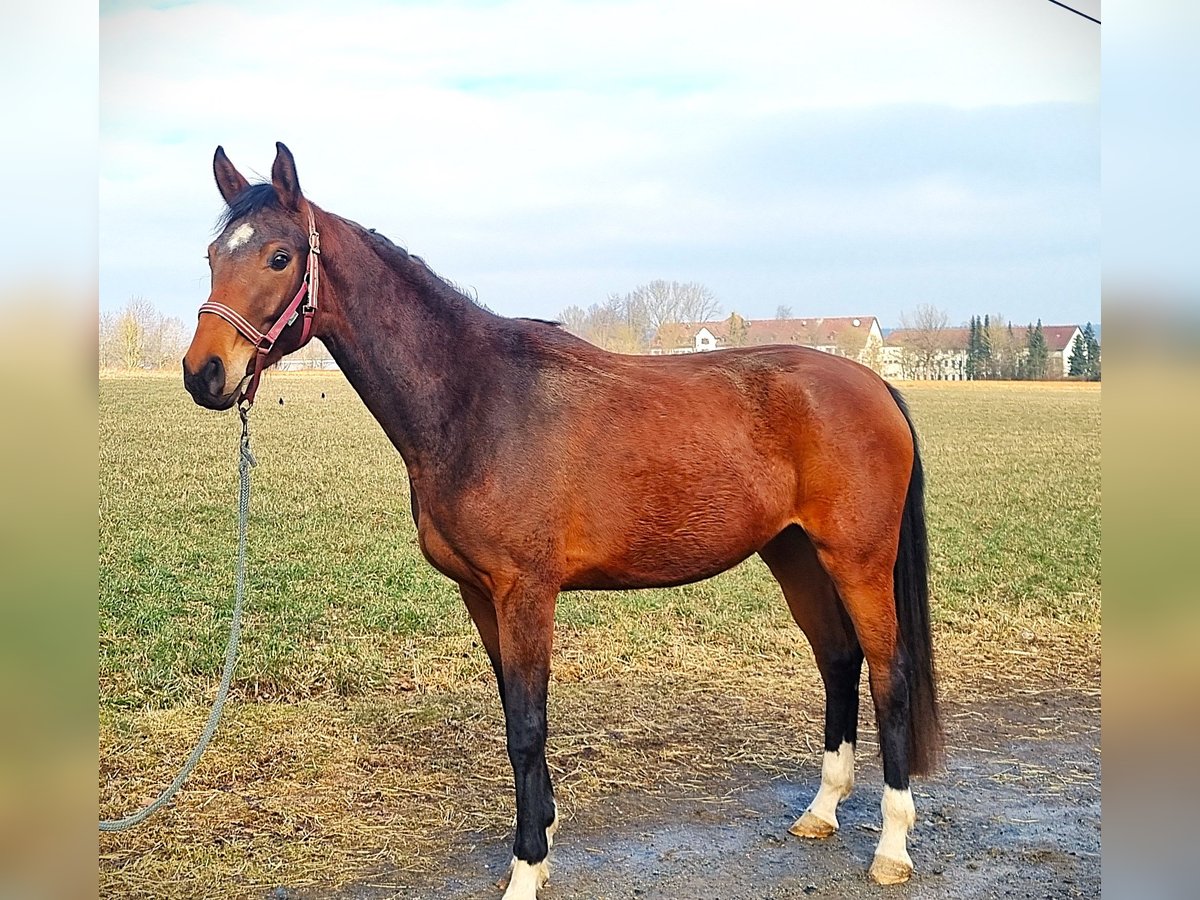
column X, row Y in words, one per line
column 230, row 181
column 283, row 177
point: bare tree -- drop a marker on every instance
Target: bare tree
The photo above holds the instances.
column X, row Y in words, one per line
column 925, row 342
column 108, row 340
column 139, row 336
column 166, row 340
column 137, row 320
column 313, row 351
column 629, row 322
column 783, row 311
column 575, row 320
column 633, row 310
column 697, row 303
column 871, row 354
column 614, row 326
column 926, row 317
column 671, row 302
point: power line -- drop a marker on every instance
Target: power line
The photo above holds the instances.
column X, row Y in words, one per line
column 1077, row 12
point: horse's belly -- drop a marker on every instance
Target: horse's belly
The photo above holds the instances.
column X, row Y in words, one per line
column 647, row 574
column 659, row 550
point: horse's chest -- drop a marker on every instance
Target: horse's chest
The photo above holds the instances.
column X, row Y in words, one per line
column 436, row 540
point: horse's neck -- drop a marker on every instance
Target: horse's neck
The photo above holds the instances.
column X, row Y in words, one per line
column 412, row 352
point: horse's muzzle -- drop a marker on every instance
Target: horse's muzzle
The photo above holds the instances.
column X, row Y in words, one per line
column 207, row 385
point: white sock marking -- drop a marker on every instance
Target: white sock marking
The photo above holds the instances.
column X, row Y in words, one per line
column 837, row 780
column 553, row 826
column 525, row 880
column 899, row 814
column 240, row 235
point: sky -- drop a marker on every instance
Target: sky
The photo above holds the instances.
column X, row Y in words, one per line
column 839, row 159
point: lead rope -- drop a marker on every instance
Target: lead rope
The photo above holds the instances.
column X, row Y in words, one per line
column 245, row 462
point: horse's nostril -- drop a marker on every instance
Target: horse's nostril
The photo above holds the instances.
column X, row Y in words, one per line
column 214, row 376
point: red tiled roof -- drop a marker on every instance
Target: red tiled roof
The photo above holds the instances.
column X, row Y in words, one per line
column 1057, row 337
column 948, row 338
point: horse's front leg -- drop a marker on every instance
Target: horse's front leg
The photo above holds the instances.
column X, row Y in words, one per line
column 525, row 621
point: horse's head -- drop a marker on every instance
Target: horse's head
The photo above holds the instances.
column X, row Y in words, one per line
column 258, row 265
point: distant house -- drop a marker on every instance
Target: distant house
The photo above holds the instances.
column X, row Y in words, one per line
column 313, row 356
column 919, row 355
column 295, row 363
column 1060, row 341
column 858, row 337
column 910, row 353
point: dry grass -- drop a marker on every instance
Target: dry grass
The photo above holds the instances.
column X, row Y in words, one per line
column 365, row 733
column 318, row 793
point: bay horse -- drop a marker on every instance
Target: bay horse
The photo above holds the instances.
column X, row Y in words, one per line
column 540, row 463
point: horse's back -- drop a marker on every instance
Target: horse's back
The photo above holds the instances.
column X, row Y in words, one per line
column 782, row 399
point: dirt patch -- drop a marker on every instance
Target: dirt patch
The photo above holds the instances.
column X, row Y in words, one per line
column 1014, row 813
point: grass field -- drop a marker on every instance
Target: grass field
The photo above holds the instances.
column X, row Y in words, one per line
column 364, row 724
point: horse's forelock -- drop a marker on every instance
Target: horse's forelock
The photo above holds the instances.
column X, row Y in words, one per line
column 253, row 199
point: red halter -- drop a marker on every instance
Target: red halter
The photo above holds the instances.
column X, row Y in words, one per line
column 265, row 342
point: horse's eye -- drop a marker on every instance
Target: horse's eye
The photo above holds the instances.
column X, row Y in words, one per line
column 279, row 261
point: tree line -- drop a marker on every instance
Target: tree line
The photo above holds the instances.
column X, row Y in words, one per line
column 628, row 323
column 139, row 336
column 995, row 351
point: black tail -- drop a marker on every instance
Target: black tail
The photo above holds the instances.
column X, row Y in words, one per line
column 911, row 585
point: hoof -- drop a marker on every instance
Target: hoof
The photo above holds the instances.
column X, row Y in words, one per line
column 890, row 871
column 811, row 825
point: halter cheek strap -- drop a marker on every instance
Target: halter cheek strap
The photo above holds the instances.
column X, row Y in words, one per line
column 303, row 306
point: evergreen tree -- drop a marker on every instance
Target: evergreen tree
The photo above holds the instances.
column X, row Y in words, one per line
column 981, row 352
column 1093, row 353
column 986, row 363
column 972, row 349
column 1077, row 365
column 1037, row 357
column 1008, row 356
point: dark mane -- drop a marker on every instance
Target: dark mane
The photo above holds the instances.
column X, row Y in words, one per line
column 394, row 254
column 390, row 251
column 253, row 199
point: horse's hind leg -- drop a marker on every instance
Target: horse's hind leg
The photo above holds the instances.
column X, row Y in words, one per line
column 817, row 610
column 861, row 570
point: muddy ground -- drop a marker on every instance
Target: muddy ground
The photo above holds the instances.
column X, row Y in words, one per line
column 1014, row 813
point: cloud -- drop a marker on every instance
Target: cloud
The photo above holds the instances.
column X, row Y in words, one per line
column 551, row 153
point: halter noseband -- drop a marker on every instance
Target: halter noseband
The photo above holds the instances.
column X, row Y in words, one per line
column 264, row 343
